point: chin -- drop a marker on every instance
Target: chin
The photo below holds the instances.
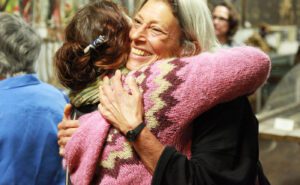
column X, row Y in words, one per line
column 133, row 64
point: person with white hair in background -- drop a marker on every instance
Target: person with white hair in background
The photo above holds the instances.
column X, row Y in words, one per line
column 29, row 110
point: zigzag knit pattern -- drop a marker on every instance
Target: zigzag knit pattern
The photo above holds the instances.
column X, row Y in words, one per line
column 175, row 92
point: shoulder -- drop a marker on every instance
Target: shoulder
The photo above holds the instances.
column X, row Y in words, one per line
column 45, row 98
column 49, row 93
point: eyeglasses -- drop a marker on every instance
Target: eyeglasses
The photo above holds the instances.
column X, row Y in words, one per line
column 220, row 18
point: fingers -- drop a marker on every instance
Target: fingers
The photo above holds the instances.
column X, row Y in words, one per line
column 112, row 119
column 104, row 101
column 116, row 82
column 65, row 124
column 106, row 90
column 63, row 141
column 64, row 136
column 107, row 96
column 65, row 130
column 104, row 112
column 66, row 133
column 61, row 151
column 133, row 86
column 67, row 111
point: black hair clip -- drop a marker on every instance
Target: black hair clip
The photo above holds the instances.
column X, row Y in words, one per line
column 97, row 42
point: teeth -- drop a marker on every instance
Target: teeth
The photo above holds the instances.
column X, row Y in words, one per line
column 138, row 52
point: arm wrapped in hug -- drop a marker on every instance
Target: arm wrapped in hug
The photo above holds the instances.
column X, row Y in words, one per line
column 175, row 92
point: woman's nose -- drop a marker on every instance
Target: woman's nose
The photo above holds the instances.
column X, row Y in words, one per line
column 138, row 33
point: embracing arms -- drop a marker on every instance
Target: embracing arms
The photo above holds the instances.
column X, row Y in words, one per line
column 208, row 79
column 220, row 73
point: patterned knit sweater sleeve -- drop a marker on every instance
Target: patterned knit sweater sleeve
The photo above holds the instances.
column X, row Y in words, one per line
column 175, row 92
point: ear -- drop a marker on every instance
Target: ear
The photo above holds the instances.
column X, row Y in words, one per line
column 190, row 48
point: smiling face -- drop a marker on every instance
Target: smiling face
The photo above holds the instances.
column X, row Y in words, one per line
column 155, row 34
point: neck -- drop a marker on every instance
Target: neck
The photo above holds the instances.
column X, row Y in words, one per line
column 132, row 65
column 135, row 65
column 223, row 39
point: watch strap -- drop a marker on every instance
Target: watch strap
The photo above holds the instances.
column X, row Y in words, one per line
column 132, row 135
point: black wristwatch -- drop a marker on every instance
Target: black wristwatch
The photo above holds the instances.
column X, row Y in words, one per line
column 132, row 135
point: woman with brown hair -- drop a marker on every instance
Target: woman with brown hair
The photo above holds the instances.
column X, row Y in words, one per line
column 226, row 22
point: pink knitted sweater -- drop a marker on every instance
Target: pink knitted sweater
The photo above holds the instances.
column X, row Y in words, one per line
column 175, row 92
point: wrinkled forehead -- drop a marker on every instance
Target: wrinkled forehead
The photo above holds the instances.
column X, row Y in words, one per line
column 171, row 3
column 157, row 11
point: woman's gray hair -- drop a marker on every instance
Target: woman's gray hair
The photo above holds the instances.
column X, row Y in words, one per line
column 196, row 22
column 19, row 45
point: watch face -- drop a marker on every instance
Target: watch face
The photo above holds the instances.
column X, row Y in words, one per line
column 131, row 135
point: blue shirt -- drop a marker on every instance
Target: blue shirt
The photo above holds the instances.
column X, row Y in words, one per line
column 29, row 113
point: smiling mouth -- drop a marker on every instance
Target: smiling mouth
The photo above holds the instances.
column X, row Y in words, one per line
column 139, row 52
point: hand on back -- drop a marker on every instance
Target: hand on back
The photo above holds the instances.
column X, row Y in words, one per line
column 122, row 109
column 66, row 128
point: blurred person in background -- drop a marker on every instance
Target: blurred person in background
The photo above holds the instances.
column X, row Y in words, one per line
column 226, row 22
column 29, row 110
column 259, row 39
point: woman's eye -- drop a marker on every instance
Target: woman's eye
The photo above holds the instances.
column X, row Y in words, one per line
column 156, row 30
column 137, row 21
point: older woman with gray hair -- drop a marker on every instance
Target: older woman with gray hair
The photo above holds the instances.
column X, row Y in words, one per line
column 141, row 149
column 29, row 110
